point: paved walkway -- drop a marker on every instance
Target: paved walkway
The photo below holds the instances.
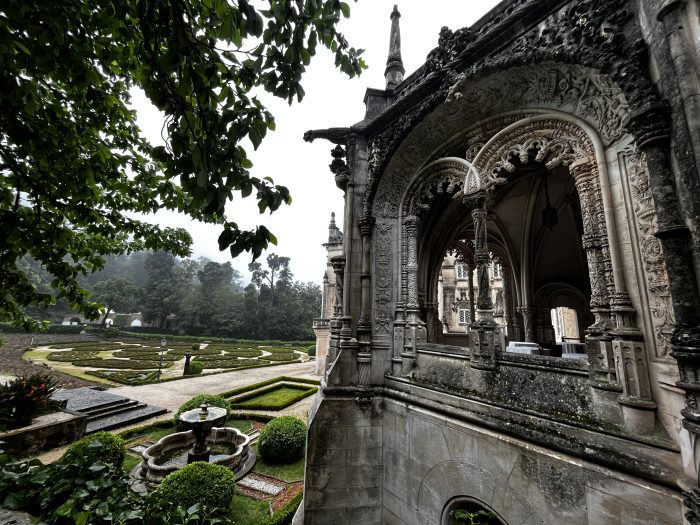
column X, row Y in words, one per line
column 172, row 394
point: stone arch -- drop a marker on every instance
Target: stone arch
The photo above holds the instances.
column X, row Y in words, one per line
column 548, row 86
column 556, row 141
column 454, row 479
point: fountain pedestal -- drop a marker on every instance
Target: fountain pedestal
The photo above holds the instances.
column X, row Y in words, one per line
column 201, row 422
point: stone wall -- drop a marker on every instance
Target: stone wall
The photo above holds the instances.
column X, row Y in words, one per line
column 429, row 459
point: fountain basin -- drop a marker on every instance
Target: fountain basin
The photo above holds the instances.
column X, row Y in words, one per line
column 154, row 469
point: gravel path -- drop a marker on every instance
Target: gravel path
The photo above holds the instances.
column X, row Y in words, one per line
column 14, row 345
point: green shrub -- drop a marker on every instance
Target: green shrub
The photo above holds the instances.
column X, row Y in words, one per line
column 195, row 368
column 100, row 446
column 195, row 347
column 311, row 351
column 195, row 402
column 282, row 440
column 200, row 483
column 282, row 357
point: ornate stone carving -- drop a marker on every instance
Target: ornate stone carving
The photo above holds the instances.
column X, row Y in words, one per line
column 551, row 142
column 570, row 88
column 651, row 252
column 383, row 289
column 339, row 167
column 443, row 177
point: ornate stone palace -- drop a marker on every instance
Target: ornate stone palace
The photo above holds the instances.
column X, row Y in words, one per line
column 562, row 140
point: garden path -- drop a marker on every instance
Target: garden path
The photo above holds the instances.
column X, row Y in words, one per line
column 172, row 394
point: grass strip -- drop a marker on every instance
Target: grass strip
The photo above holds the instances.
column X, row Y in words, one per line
column 274, row 397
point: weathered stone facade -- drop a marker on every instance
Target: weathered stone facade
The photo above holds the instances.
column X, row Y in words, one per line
column 563, row 139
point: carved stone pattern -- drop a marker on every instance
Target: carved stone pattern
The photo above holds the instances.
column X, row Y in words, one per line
column 445, row 178
column 552, row 142
column 651, row 252
column 569, row 88
column 383, row 289
column 588, row 32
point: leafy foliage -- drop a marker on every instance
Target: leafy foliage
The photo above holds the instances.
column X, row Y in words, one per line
column 282, row 440
column 117, row 293
column 23, row 398
column 75, row 169
column 100, row 446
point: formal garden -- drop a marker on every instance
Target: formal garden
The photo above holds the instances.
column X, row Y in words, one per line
column 132, row 361
column 100, row 478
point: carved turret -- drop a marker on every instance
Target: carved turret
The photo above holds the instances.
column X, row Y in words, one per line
column 394, row 65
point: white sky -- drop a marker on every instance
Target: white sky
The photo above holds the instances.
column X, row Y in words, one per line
column 331, row 100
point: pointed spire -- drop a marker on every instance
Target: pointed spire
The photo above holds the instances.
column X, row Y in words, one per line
column 394, row 65
column 334, row 233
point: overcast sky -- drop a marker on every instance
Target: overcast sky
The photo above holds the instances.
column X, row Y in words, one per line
column 331, row 100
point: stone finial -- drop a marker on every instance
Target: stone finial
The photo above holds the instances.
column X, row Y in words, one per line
column 334, row 234
column 394, row 65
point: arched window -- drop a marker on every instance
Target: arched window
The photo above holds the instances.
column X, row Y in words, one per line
column 462, row 272
column 469, row 511
column 464, row 317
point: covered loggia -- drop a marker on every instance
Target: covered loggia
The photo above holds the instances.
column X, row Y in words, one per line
column 542, row 264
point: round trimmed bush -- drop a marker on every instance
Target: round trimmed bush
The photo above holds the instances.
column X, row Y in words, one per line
column 311, row 351
column 200, row 482
column 196, row 368
column 195, row 402
column 282, row 440
column 195, row 347
column 100, row 446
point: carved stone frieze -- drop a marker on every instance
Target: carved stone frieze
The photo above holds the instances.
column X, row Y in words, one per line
column 444, row 177
column 651, row 252
column 383, row 284
column 570, row 88
column 551, row 142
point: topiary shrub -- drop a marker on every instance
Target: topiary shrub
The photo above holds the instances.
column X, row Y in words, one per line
column 195, row 347
column 195, row 402
column 210, row 485
column 311, row 351
column 100, row 446
column 282, row 440
column 195, row 368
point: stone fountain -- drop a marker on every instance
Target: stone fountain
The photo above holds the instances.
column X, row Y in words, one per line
column 176, row 450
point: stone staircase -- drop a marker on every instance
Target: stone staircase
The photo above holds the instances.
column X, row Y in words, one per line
column 106, row 411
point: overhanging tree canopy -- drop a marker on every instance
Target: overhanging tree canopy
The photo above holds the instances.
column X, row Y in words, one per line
column 74, row 165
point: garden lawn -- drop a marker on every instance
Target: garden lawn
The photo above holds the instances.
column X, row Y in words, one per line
column 248, row 510
column 291, row 472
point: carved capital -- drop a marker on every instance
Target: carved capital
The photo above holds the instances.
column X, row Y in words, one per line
column 366, row 226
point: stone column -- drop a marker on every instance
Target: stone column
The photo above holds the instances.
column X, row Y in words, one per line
column 508, row 301
column 470, row 273
column 364, row 326
column 336, row 324
column 528, row 315
column 651, row 127
column 483, row 333
column 415, row 330
column 399, row 339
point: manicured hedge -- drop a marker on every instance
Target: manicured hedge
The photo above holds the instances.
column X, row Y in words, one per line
column 122, row 364
column 282, row 357
column 209, row 485
column 68, row 356
column 282, row 440
column 255, row 386
column 230, row 363
column 249, row 402
column 285, row 514
column 126, row 377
